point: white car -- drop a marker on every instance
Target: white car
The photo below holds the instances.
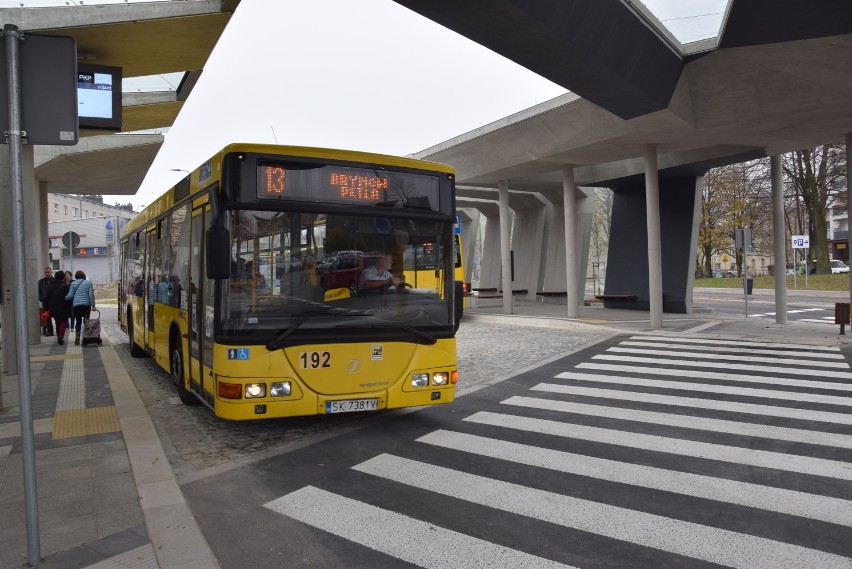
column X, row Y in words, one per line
column 838, row 267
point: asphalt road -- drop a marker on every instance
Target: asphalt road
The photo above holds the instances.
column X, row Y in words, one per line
column 567, row 448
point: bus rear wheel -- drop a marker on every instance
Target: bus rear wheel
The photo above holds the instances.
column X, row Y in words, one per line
column 186, row 397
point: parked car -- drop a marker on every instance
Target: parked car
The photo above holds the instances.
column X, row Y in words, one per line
column 838, row 267
column 346, row 270
column 724, row 274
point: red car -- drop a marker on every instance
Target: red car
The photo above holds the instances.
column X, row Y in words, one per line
column 345, row 272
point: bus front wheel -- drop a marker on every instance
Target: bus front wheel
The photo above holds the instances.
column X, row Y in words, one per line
column 135, row 350
column 184, row 394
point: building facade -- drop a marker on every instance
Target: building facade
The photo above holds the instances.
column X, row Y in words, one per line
column 83, row 233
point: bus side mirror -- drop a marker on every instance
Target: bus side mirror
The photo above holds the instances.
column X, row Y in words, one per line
column 218, row 253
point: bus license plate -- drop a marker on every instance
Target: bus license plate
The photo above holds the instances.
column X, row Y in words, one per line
column 351, row 405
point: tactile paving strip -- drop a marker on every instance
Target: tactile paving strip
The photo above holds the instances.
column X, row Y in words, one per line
column 80, row 422
column 55, row 358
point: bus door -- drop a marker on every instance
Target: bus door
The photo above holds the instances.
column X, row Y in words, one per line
column 201, row 310
column 151, row 261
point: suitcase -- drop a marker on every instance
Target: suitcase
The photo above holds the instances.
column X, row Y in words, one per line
column 92, row 329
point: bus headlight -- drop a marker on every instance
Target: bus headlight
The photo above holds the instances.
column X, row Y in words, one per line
column 440, row 378
column 280, row 389
column 255, row 390
column 420, row 380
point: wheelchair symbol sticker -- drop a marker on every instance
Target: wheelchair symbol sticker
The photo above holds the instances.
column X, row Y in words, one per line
column 238, row 353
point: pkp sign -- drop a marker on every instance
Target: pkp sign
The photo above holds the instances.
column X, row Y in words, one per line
column 801, row 242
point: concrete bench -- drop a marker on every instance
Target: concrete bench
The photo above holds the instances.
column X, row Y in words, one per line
column 624, row 297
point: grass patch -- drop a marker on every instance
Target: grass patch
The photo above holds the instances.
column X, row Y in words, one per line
column 815, row 282
column 107, row 294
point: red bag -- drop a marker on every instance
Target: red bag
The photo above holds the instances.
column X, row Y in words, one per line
column 45, row 316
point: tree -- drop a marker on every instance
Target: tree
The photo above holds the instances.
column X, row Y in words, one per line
column 817, row 180
column 736, row 196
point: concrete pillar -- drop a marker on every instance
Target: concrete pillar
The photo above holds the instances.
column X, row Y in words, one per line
column 655, row 263
column 489, row 263
column 779, row 239
column 469, row 235
column 569, row 188
column 528, row 223
column 505, row 246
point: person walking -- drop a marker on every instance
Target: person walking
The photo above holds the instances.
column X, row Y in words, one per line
column 47, row 324
column 68, row 279
column 58, row 306
column 82, row 296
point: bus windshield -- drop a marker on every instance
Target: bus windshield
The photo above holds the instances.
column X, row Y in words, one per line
column 313, row 276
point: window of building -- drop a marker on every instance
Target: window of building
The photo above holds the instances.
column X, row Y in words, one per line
column 74, row 211
column 66, row 210
column 85, row 213
column 55, row 208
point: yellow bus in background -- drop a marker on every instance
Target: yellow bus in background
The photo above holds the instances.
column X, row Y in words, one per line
column 421, row 268
column 220, row 283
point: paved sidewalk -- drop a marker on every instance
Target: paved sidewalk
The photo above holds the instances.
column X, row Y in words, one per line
column 107, row 495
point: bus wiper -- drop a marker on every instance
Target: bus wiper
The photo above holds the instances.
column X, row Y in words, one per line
column 425, row 338
column 278, row 341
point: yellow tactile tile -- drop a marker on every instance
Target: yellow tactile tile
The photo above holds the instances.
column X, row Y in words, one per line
column 55, row 358
column 80, row 422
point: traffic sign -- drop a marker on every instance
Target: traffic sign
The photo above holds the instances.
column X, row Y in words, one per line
column 801, row 242
column 70, row 239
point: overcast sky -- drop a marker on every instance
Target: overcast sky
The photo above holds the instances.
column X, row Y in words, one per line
column 365, row 75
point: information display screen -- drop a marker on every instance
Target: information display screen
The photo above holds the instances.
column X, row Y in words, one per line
column 99, row 97
column 94, row 95
column 342, row 184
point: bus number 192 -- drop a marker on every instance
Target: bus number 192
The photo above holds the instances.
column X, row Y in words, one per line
column 315, row 360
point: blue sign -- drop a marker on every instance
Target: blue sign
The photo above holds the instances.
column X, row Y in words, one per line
column 238, row 353
column 457, row 226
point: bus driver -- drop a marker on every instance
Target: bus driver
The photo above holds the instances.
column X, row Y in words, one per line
column 378, row 275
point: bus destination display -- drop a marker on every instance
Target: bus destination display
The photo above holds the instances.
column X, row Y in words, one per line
column 340, row 184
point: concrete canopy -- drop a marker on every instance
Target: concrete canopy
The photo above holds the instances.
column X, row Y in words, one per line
column 729, row 104
column 109, row 164
column 143, row 39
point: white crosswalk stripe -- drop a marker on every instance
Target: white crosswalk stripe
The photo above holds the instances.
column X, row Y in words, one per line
column 709, row 388
column 698, row 403
column 688, row 422
column 398, row 535
column 806, row 348
column 704, row 374
column 701, row 355
column 810, row 372
column 681, row 447
column 832, row 510
column 685, row 538
column 777, row 455
column 735, row 350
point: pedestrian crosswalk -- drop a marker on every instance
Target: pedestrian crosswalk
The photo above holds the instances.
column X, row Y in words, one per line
column 827, row 318
column 646, row 451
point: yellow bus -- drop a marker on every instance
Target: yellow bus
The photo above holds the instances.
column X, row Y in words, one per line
column 421, row 268
column 220, row 283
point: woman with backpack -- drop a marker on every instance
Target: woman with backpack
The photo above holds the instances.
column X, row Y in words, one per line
column 82, row 297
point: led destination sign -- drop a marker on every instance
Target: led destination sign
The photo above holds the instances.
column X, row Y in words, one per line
column 341, row 184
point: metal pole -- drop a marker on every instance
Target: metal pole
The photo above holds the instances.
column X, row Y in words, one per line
column 779, row 240
column 745, row 280
column 24, row 384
